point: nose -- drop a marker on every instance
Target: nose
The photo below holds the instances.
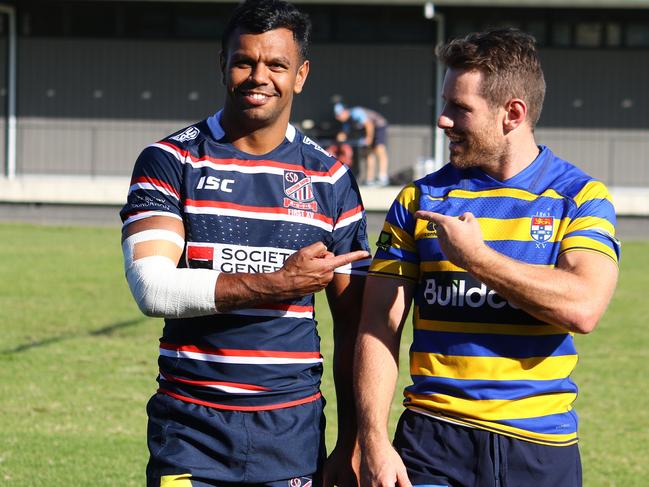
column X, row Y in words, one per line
column 259, row 73
column 444, row 121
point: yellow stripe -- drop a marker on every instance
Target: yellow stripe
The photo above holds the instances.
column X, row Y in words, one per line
column 491, row 368
column 496, row 409
column 592, row 190
column 409, row 198
column 544, row 439
column 504, row 192
column 400, row 238
column 395, row 267
column 592, row 223
column 578, row 243
column 181, row 480
column 490, row 328
column 516, row 229
column 441, row 265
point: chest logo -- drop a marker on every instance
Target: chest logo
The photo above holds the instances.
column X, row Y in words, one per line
column 541, row 229
column 299, row 191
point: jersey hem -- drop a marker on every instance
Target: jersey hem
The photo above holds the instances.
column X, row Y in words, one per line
column 267, row 407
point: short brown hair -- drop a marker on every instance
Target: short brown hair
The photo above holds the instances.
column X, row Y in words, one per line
column 509, row 63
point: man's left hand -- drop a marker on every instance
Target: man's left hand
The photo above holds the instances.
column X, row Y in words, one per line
column 342, row 468
column 459, row 237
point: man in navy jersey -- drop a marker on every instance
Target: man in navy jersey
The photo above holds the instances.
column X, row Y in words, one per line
column 506, row 253
column 230, row 226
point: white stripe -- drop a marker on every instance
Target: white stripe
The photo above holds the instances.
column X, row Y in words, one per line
column 149, row 214
column 349, row 220
column 245, row 169
column 259, row 216
column 158, row 234
column 151, row 186
column 219, row 387
column 357, row 267
column 340, row 172
column 237, row 360
column 273, row 312
column 171, row 150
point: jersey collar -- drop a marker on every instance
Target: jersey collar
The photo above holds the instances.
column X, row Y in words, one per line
column 214, row 123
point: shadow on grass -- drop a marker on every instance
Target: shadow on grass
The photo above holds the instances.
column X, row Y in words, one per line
column 106, row 330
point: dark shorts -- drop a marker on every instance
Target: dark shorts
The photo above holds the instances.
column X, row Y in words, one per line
column 193, row 445
column 380, row 136
column 437, row 453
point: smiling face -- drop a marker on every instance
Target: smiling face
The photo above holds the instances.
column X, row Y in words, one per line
column 261, row 73
column 472, row 125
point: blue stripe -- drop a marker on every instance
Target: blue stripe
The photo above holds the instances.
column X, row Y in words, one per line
column 552, row 424
column 499, row 207
column 400, row 217
column 492, row 345
column 489, row 389
column 397, row 254
column 598, row 207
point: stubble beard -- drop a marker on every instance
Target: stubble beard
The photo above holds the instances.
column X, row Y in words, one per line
column 480, row 149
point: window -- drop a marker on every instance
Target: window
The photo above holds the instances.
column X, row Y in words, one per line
column 588, row 34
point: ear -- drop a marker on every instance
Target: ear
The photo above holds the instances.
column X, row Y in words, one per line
column 300, row 79
column 515, row 114
column 222, row 63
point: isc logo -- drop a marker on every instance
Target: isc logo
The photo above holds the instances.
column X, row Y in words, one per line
column 211, row 182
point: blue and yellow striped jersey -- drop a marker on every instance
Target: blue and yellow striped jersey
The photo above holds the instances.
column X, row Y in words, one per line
column 476, row 359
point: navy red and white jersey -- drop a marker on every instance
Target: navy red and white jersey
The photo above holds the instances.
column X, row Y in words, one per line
column 477, row 359
column 246, row 213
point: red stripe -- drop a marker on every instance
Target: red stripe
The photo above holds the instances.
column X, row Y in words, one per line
column 251, row 163
column 250, row 387
column 286, row 307
column 228, row 352
column 200, row 252
column 249, row 209
column 156, row 182
column 269, row 407
column 352, row 212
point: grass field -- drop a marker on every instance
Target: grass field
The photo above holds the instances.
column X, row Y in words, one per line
column 78, row 363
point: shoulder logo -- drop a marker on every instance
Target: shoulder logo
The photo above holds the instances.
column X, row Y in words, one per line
column 541, row 229
column 310, row 142
column 299, row 191
column 188, row 134
column 385, row 241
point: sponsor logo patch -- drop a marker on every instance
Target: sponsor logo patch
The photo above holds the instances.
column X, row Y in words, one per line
column 385, row 241
column 299, row 191
column 188, row 134
column 235, row 258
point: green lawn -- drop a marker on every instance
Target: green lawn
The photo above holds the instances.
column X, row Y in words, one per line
column 78, row 363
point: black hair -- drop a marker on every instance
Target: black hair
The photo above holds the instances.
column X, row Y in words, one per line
column 259, row 16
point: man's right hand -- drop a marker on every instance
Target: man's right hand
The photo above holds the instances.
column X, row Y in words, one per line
column 306, row 271
column 381, row 466
column 311, row 268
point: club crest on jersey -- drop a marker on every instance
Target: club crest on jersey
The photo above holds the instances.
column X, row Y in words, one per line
column 300, row 482
column 188, row 134
column 299, row 191
column 542, row 228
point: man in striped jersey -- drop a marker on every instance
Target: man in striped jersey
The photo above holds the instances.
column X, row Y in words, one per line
column 507, row 252
column 230, row 226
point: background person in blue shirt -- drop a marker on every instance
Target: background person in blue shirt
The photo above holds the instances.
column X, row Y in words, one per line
column 375, row 128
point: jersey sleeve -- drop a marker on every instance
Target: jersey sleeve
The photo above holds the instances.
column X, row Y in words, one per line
column 155, row 188
column 350, row 226
column 396, row 254
column 593, row 226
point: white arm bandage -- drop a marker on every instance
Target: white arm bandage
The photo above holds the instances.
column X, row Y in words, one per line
column 159, row 288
